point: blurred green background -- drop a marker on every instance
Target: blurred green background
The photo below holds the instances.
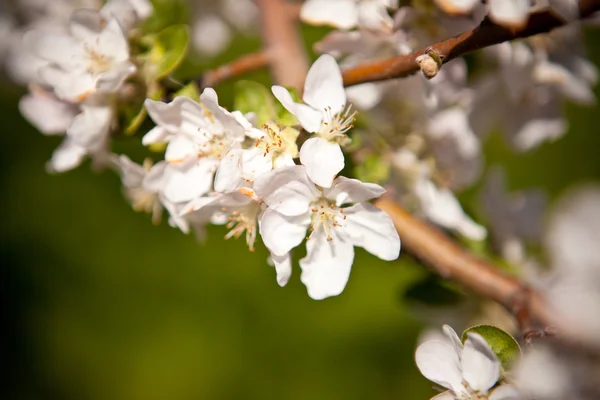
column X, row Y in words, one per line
column 97, row 303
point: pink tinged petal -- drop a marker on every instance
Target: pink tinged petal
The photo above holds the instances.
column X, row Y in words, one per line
column 506, row 392
column 511, row 13
column 480, row 366
column 111, row 80
column 156, row 135
column 345, row 190
column 280, row 233
column 283, row 267
column 326, row 267
column 324, row 86
column 68, row 155
column 228, row 175
column 323, row 160
column 183, row 185
column 337, row 13
column 179, row 149
column 287, row 190
column 372, row 229
column 439, row 362
column 48, row 114
column 309, row 118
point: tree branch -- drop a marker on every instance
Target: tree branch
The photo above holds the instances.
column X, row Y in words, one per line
column 486, row 34
column 451, row 261
column 289, row 63
column 246, row 63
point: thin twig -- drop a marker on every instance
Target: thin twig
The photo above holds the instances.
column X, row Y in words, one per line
column 288, row 60
column 486, row 34
column 244, row 64
column 453, row 262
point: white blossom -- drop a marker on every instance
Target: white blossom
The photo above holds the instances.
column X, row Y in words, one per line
column 468, row 371
column 347, row 14
column 324, row 113
column 295, row 204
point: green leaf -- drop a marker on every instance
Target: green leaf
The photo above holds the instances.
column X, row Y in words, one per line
column 255, row 97
column 190, row 90
column 165, row 13
column 168, row 51
column 373, row 169
column 503, row 344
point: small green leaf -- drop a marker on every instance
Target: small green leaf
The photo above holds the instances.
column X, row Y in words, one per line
column 165, row 13
column 255, row 97
column 373, row 169
column 168, row 51
column 503, row 344
column 190, row 90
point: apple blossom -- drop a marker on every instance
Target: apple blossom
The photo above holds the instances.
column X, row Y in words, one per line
column 468, row 371
column 325, row 114
column 296, row 204
column 347, row 14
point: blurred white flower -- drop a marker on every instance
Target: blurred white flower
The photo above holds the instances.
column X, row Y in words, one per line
column 295, row 204
column 347, row 14
column 324, row 113
column 93, row 57
column 514, row 218
column 468, row 372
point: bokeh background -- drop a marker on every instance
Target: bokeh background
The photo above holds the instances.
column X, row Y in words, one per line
column 97, row 303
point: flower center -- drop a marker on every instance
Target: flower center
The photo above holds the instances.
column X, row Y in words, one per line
column 277, row 142
column 97, row 63
column 335, row 126
column 325, row 215
column 243, row 220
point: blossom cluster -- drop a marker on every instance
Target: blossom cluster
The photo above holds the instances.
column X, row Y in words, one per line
column 221, row 168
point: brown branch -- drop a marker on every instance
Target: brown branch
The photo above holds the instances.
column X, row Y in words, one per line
column 246, row 63
column 451, row 261
column 486, row 34
column 289, row 63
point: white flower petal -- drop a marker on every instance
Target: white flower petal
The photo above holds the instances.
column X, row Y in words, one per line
column 511, row 13
column 439, row 362
column 506, row 392
column 111, row 80
column 183, row 185
column 48, row 114
column 280, row 233
column 283, row 267
column 373, row 230
column 480, row 366
column 67, row 156
column 91, row 126
column 345, row 190
column 112, row 42
column 309, row 118
column 227, row 177
column 179, row 149
column 324, row 86
column 156, row 135
column 323, row 160
column 447, row 395
column 326, row 267
column 338, row 13
column 287, row 190
column 167, row 115
column 451, row 334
